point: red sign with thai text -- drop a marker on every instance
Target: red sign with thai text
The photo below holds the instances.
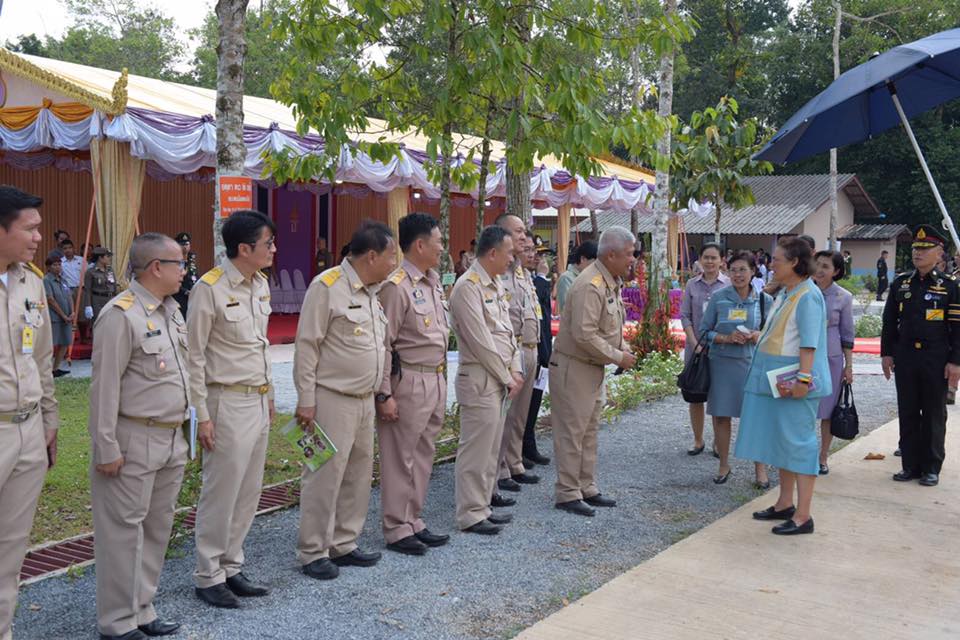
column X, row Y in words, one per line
column 236, row 193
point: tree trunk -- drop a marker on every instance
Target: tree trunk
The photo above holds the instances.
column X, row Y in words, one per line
column 833, row 152
column 661, row 196
column 446, row 264
column 594, row 225
column 231, row 151
column 485, row 151
column 716, row 221
column 518, row 183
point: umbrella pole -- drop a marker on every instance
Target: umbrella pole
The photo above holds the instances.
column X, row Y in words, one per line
column 947, row 221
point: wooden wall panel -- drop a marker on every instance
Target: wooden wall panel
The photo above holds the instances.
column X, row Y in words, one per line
column 181, row 205
column 350, row 211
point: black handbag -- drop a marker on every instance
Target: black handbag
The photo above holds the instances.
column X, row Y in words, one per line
column 844, row 421
column 694, row 380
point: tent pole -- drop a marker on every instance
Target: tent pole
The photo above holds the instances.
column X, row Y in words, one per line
column 83, row 270
column 947, row 221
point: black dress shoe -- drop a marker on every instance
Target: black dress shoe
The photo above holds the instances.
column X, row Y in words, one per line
column 357, row 558
column 219, row 596
column 508, row 484
column 503, row 518
column 136, row 634
column 243, row 588
column 499, row 500
column 578, row 507
column 536, row 458
column 771, row 513
column 158, row 627
column 484, row 528
column 410, row 546
column 897, row 452
column 432, row 539
column 321, row 569
column 722, row 479
column 824, row 469
column 791, row 528
column 695, row 451
column 930, row 480
column 599, row 501
column 526, row 478
column 906, row 476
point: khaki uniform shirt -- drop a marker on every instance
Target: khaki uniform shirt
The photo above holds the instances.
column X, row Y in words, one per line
column 227, row 330
column 99, row 286
column 340, row 338
column 26, row 373
column 520, row 293
column 591, row 330
column 139, row 366
column 417, row 327
column 480, row 314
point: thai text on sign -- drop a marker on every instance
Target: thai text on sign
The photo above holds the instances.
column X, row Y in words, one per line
column 236, row 193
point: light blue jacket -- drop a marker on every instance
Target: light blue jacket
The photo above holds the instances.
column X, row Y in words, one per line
column 725, row 312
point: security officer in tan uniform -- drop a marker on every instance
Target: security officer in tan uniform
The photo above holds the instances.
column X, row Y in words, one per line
column 230, row 374
column 522, row 296
column 488, row 376
column 412, row 399
column 338, row 365
column 99, row 284
column 590, row 337
column 139, row 401
column 28, row 410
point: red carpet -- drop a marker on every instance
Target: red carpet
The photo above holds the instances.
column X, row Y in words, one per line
column 282, row 329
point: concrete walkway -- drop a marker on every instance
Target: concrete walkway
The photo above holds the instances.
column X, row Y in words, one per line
column 883, row 563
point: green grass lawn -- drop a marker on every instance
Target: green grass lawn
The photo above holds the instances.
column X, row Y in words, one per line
column 64, row 508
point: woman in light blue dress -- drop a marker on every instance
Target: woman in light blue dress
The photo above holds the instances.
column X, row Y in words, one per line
column 778, row 422
column 732, row 325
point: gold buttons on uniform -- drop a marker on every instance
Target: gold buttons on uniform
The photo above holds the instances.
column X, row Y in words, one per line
column 426, row 321
column 358, row 331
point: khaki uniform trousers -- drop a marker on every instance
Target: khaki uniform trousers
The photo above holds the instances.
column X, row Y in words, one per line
column 334, row 499
column 511, row 445
column 132, row 519
column 576, row 399
column 23, row 465
column 482, row 414
column 232, row 479
column 407, row 447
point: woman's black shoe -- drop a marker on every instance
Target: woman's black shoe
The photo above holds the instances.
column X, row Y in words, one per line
column 770, row 513
column 718, row 479
column 791, row 528
column 695, row 451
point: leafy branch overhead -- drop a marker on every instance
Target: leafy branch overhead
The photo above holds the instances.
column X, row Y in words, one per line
column 713, row 155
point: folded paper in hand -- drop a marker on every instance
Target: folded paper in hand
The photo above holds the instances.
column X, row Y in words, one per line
column 315, row 448
column 785, row 375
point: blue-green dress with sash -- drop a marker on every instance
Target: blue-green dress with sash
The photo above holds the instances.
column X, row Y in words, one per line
column 783, row 432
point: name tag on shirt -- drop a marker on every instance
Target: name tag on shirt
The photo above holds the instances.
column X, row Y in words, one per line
column 27, row 340
column 737, row 315
column 932, row 314
column 538, row 311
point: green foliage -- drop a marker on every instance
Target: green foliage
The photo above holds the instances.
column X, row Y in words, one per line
column 655, row 378
column 869, row 282
column 114, row 33
column 853, row 284
column 869, row 326
column 714, row 153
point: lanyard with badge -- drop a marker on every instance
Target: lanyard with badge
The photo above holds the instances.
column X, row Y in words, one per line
column 29, row 328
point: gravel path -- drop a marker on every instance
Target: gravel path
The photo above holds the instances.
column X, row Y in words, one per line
column 475, row 587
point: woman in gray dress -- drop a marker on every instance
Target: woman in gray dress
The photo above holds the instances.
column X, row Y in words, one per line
column 696, row 295
column 840, row 335
column 732, row 325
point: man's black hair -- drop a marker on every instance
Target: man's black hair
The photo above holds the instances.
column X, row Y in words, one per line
column 414, row 227
column 371, row 236
column 490, row 238
column 12, row 202
column 244, row 227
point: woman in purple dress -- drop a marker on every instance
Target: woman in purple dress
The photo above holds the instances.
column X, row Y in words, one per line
column 840, row 334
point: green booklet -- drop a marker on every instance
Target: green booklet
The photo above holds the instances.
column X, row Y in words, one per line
column 316, row 448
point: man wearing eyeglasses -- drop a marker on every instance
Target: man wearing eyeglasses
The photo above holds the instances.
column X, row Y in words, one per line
column 139, row 400
column 230, row 384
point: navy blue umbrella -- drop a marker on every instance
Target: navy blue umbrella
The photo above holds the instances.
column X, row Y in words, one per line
column 873, row 97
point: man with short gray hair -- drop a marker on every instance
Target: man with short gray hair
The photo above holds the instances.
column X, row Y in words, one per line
column 590, row 337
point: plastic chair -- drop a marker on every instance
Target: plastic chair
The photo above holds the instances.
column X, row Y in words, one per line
column 299, row 289
column 286, row 298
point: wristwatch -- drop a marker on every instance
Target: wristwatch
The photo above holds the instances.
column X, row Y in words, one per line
column 382, row 397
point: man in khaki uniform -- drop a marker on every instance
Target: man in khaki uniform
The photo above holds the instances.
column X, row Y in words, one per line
column 520, row 292
column 28, row 410
column 338, row 364
column 488, row 376
column 230, row 373
column 412, row 399
column 139, row 400
column 590, row 337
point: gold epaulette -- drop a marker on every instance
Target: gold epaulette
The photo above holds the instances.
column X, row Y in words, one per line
column 125, row 301
column 330, row 276
column 398, row 276
column 597, row 281
column 518, row 271
column 474, row 277
column 34, row 268
column 211, row 277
